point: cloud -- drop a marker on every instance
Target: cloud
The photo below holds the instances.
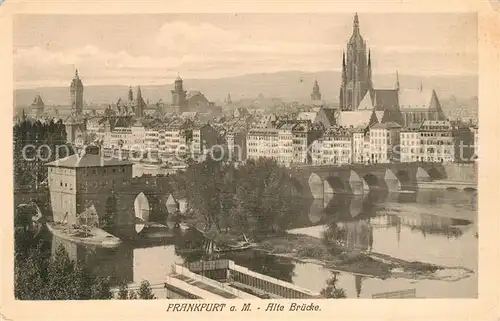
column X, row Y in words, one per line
column 180, row 36
column 202, row 50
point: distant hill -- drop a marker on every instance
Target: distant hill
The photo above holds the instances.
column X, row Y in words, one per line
column 288, row 85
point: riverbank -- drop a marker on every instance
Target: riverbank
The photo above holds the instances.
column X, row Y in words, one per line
column 92, row 236
column 308, row 249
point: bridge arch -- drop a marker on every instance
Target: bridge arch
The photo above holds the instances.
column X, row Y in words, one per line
column 404, row 179
column 370, row 181
column 294, row 186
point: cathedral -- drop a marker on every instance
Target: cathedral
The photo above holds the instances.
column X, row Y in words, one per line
column 360, row 101
column 131, row 107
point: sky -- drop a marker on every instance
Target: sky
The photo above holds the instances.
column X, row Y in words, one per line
column 153, row 49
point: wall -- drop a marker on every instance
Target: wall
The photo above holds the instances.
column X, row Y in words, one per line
column 461, row 172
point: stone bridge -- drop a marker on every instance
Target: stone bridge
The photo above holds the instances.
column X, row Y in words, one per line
column 315, row 181
column 139, row 201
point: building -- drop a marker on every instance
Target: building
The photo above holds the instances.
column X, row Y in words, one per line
column 475, row 132
column 174, row 138
column 334, row 147
column 356, row 70
column 437, row 141
column 360, row 118
column 75, row 128
column 418, row 105
column 403, row 106
column 76, row 90
column 79, row 181
column 204, row 137
column 151, row 140
column 303, row 135
column 384, row 142
column 130, row 106
column 262, row 142
column 360, row 146
column 268, row 121
column 410, row 144
column 197, row 102
column 285, row 143
column 316, row 94
column 324, row 116
column 463, row 136
column 236, row 139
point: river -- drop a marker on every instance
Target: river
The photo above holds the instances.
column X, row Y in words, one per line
column 437, row 226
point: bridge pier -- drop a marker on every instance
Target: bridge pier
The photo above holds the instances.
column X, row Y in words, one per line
column 356, row 184
column 316, row 185
column 356, row 188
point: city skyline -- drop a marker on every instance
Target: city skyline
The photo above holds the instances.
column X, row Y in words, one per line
column 155, row 48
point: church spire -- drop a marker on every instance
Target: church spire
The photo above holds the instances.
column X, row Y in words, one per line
column 316, row 94
column 76, row 72
column 421, row 86
column 344, row 71
column 139, row 93
column 130, row 94
column 397, row 80
column 369, row 72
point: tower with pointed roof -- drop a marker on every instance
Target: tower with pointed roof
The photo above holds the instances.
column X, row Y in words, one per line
column 130, row 94
column 228, row 100
column 356, row 70
column 76, row 90
column 397, row 80
column 179, row 95
column 316, row 94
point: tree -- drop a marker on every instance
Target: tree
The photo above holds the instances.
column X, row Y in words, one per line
column 331, row 291
column 256, row 197
column 38, row 276
column 145, row 292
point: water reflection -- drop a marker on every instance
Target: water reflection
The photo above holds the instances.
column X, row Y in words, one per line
column 430, row 226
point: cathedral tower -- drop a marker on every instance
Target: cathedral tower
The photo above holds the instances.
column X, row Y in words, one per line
column 316, row 94
column 356, row 70
column 76, row 90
